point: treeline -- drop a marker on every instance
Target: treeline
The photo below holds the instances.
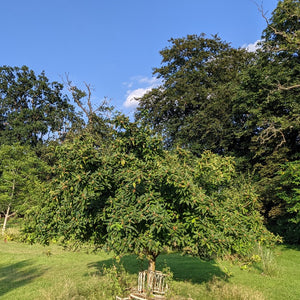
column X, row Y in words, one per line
column 210, row 160
column 241, row 104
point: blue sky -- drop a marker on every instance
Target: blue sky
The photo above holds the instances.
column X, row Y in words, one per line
column 113, row 45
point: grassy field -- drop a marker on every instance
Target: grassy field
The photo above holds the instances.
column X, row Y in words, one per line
column 37, row 272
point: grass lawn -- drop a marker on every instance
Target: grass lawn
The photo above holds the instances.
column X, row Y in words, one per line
column 37, row 272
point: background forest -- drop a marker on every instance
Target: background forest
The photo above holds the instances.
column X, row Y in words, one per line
column 210, row 165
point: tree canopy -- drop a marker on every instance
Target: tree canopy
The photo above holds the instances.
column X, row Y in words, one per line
column 234, row 103
column 193, row 106
column 267, row 106
column 73, row 200
column 132, row 196
column 32, row 109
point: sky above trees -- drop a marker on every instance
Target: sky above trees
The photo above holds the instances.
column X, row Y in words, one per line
column 113, row 45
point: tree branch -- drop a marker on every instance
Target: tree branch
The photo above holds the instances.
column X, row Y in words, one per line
column 286, row 88
column 290, row 38
column 270, row 133
column 87, row 109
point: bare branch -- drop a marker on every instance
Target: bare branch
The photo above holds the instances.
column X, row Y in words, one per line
column 281, row 87
column 270, row 133
column 86, row 107
column 291, row 37
column 74, row 91
column 12, row 215
column 89, row 103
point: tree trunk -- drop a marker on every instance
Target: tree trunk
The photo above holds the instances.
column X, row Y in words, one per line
column 8, row 208
column 151, row 266
column 151, row 270
column 5, row 219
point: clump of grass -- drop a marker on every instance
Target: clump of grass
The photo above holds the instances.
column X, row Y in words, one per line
column 219, row 289
column 262, row 259
column 110, row 282
column 65, row 289
column 267, row 262
column 12, row 231
column 11, row 234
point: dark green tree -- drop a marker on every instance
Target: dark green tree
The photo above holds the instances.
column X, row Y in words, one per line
column 267, row 106
column 217, row 98
column 32, row 109
column 282, row 33
column 193, row 106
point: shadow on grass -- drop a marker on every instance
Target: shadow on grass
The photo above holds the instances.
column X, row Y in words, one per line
column 291, row 247
column 13, row 276
column 184, row 268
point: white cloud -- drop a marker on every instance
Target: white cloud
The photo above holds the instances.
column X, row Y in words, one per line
column 252, row 47
column 143, row 85
column 131, row 100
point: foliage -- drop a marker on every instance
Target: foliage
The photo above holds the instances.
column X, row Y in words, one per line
column 214, row 97
column 267, row 123
column 283, row 32
column 21, row 176
column 118, row 280
column 227, row 219
column 97, row 119
column 289, row 191
column 267, row 107
column 193, row 105
column 32, row 109
column 75, row 197
column 172, row 199
column 152, row 193
column 135, row 197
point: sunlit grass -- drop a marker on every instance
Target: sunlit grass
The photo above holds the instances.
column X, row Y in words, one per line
column 37, row 272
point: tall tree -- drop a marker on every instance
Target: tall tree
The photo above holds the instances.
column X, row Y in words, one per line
column 235, row 103
column 193, row 105
column 267, row 106
column 32, row 109
column 282, row 33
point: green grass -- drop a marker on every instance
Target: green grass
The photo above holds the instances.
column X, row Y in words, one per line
column 37, row 272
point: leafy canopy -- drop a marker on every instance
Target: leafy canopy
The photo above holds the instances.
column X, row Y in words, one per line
column 32, row 109
column 214, row 97
column 135, row 197
column 192, row 107
column 267, row 108
column 73, row 201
